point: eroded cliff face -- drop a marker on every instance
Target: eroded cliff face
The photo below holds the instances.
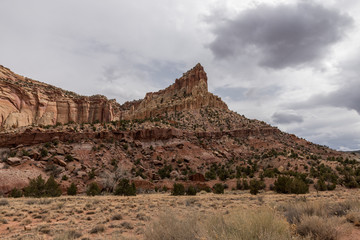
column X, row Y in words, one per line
column 26, row 102
column 187, row 93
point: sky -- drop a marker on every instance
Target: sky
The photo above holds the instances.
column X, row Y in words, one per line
column 294, row 64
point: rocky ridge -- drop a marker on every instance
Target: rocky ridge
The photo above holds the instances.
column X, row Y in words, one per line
column 25, row 102
column 182, row 133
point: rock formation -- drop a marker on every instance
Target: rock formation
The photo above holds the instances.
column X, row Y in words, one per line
column 187, row 93
column 25, row 102
column 182, row 133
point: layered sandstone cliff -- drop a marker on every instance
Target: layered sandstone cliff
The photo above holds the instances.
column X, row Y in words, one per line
column 187, row 93
column 26, row 102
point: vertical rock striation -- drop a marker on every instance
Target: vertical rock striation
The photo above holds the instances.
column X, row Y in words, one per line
column 26, row 102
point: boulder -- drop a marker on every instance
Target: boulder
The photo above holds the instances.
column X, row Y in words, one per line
column 59, row 160
column 13, row 161
column 197, row 177
column 174, row 174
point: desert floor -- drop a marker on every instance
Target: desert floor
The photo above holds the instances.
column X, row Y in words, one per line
column 114, row 217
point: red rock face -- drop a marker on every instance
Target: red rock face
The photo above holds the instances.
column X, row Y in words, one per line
column 25, row 102
column 187, row 131
column 187, row 93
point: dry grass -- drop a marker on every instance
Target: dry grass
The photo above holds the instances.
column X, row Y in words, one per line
column 248, row 225
column 168, row 226
column 98, row 229
column 194, row 216
column 68, row 235
column 4, row 202
column 320, row 228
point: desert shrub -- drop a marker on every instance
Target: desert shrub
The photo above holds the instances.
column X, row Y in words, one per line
column 247, row 225
column 170, row 227
column 72, row 190
column 245, row 184
column 97, row 229
column 239, row 185
column 191, row 191
column 52, row 188
column 68, row 235
column 16, row 193
column 124, row 188
column 210, row 175
column 350, row 181
column 295, row 212
column 218, row 188
column 256, row 186
column 354, row 217
column 69, row 158
column 331, row 186
column 39, row 188
column 320, row 185
column 319, row 227
column 285, row 184
column 44, row 152
column 165, row 171
column 93, row 189
column 92, row 174
column 64, row 177
column 117, row 216
column 178, row 189
column 4, row 202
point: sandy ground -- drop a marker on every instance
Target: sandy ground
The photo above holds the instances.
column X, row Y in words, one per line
column 114, row 217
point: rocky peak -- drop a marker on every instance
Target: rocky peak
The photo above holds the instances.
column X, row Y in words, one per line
column 191, row 79
column 190, row 92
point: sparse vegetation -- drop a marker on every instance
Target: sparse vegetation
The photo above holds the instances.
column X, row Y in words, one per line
column 191, row 191
column 218, row 188
column 39, row 188
column 125, row 188
column 93, row 189
column 178, row 189
column 285, row 184
column 16, row 193
column 72, row 190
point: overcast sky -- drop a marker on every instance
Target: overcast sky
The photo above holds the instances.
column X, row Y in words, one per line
column 293, row 63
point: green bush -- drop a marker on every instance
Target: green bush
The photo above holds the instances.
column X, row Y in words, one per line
column 191, row 191
column 39, row 188
column 210, row 175
column 124, row 188
column 320, row 185
column 16, row 193
column 72, row 190
column 178, row 190
column 165, row 171
column 218, row 188
column 69, row 158
column 92, row 174
column 52, row 188
column 239, row 185
column 256, row 186
column 285, row 184
column 93, row 189
column 44, row 152
column 64, row 177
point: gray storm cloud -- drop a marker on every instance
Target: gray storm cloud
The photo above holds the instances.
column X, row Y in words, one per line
column 282, row 35
column 346, row 96
column 286, row 118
